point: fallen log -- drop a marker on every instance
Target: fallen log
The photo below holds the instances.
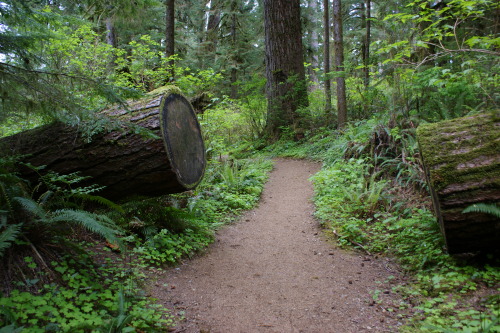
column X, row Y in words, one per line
column 461, row 158
column 127, row 163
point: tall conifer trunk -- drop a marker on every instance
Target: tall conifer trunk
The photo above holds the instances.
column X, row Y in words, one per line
column 170, row 30
column 366, row 60
column 326, row 56
column 234, row 73
column 339, row 63
column 286, row 86
column 212, row 38
column 313, row 44
column 111, row 32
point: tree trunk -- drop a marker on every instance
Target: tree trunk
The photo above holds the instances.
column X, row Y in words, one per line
column 339, row 63
column 286, row 86
column 313, row 44
column 367, row 41
column 212, row 38
column 326, row 56
column 462, row 162
column 234, row 72
column 125, row 162
column 111, row 32
column 170, row 31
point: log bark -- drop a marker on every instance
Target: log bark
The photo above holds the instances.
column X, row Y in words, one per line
column 462, row 162
column 126, row 163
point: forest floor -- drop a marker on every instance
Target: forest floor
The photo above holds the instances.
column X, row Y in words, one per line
column 276, row 271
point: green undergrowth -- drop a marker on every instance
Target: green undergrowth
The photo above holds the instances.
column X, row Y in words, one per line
column 371, row 195
column 168, row 229
column 97, row 286
column 88, row 297
column 230, row 187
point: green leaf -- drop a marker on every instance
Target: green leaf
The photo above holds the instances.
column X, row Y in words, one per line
column 490, row 209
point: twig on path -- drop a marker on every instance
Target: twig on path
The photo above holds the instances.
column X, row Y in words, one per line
column 353, row 242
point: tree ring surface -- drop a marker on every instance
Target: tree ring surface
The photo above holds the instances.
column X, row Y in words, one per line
column 183, row 140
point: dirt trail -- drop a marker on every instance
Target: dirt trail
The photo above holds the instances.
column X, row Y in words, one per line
column 274, row 272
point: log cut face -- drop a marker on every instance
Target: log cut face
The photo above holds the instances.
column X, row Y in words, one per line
column 183, row 140
column 462, row 162
column 126, row 163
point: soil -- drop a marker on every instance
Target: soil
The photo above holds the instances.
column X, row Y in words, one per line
column 275, row 271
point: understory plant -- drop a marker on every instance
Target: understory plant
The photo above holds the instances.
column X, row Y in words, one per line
column 90, row 297
column 39, row 221
column 51, row 281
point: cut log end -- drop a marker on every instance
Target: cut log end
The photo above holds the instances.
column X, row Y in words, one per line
column 183, row 141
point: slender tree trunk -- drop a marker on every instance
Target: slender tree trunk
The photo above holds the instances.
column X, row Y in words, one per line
column 170, row 32
column 286, row 87
column 362, row 14
column 111, row 40
column 234, row 73
column 111, row 32
column 326, row 56
column 212, row 29
column 339, row 63
column 366, row 61
column 313, row 44
column 201, row 47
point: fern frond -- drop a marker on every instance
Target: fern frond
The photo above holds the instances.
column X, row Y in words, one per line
column 119, row 323
column 32, row 207
column 8, row 315
column 9, row 235
column 491, row 209
column 45, row 197
column 95, row 223
column 4, row 197
column 100, row 200
column 149, row 232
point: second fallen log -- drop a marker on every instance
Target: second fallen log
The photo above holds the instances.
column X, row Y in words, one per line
column 462, row 162
column 125, row 162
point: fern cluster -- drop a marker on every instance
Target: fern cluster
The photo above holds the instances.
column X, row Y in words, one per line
column 10, row 186
column 43, row 218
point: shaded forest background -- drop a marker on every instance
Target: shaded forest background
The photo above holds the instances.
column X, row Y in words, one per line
column 351, row 86
column 422, row 59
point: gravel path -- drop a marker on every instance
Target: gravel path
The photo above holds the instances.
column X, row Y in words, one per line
column 274, row 272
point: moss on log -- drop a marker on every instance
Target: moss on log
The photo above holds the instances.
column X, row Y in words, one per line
column 462, row 162
column 126, row 163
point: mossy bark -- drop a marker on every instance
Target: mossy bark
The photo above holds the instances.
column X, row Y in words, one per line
column 462, row 162
column 126, row 163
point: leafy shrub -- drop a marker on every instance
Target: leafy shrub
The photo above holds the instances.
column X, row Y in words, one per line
column 347, row 188
column 444, row 94
column 167, row 248
column 231, row 124
column 229, row 187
